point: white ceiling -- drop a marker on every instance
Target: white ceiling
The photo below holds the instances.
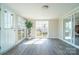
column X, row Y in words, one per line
column 35, row 10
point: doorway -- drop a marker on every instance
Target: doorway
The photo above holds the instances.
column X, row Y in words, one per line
column 41, row 29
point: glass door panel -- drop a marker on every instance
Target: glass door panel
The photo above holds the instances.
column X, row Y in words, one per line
column 68, row 29
column 41, row 29
column 76, row 28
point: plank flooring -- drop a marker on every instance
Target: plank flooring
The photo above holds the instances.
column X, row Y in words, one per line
column 43, row 47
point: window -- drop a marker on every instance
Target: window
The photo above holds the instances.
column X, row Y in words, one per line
column 41, row 29
column 8, row 17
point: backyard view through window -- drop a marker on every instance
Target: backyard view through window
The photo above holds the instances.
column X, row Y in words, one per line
column 41, row 29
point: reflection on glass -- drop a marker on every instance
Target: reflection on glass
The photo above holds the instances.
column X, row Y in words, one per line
column 77, row 28
column 68, row 29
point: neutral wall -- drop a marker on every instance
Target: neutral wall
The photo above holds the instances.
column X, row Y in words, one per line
column 53, row 28
column 60, row 29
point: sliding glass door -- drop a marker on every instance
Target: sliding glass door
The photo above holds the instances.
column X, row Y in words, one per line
column 76, row 28
column 67, row 29
column 71, row 29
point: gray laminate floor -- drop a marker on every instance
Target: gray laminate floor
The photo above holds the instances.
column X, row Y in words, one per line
column 43, row 47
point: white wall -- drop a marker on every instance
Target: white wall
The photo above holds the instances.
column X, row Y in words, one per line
column 60, row 29
column 53, row 28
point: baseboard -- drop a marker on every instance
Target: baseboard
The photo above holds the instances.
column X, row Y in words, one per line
column 52, row 38
column 70, row 44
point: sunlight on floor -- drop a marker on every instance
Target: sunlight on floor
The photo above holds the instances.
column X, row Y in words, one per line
column 36, row 41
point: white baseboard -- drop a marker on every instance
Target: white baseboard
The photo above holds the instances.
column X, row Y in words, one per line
column 52, row 38
column 70, row 44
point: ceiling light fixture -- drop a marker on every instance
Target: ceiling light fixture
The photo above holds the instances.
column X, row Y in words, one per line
column 45, row 7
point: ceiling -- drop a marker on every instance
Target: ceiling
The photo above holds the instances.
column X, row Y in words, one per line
column 36, row 11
